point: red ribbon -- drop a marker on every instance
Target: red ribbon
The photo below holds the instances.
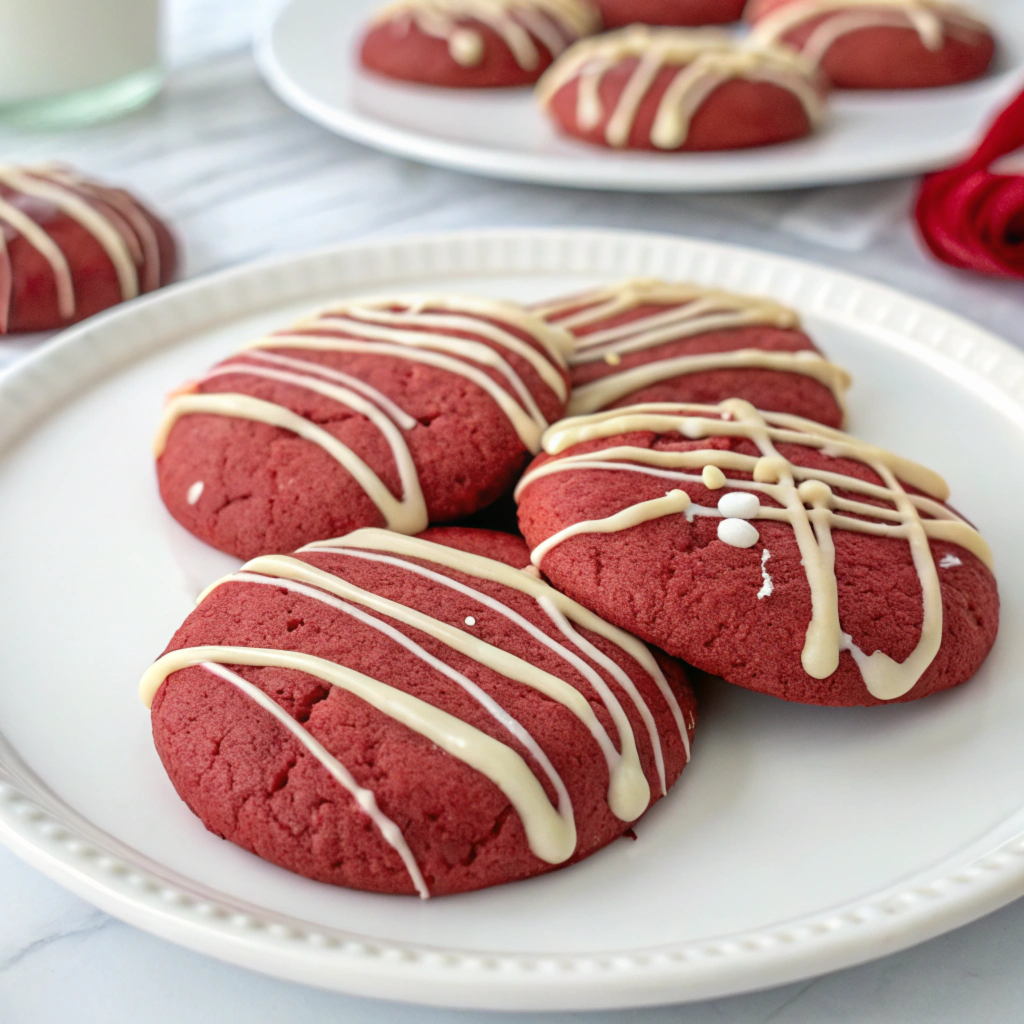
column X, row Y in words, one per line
column 973, row 218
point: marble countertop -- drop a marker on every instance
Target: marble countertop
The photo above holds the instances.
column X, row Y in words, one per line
column 242, row 177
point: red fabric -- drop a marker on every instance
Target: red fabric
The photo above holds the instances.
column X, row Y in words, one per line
column 972, row 218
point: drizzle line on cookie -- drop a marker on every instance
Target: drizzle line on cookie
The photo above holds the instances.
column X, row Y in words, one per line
column 808, row 504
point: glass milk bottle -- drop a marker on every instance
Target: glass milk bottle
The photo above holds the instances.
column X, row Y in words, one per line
column 68, row 62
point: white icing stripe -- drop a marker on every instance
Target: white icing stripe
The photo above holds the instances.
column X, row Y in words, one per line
column 931, row 19
column 673, row 503
column 6, row 280
column 517, row 22
column 621, row 723
column 610, row 460
column 650, row 332
column 366, row 800
column 619, row 676
column 109, row 216
column 87, row 216
column 606, row 390
column 405, row 516
column 691, row 311
column 695, row 422
column 778, row 478
column 399, row 415
column 526, row 583
column 49, row 250
column 528, row 429
column 629, row 793
column 548, row 835
column 140, row 235
column 491, row 706
column 703, row 60
column 413, row 504
column 543, row 362
column 462, row 348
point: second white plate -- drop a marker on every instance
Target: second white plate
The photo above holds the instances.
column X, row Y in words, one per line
column 308, row 54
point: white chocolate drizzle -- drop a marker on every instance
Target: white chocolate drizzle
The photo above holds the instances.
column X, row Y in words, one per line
column 471, row 339
column 807, row 502
column 111, row 217
column 551, row 830
column 521, row 24
column 686, row 311
column 933, row 20
column 363, row 797
column 704, row 59
column 768, row 586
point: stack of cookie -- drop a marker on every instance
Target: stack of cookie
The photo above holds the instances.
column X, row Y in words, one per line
column 384, row 699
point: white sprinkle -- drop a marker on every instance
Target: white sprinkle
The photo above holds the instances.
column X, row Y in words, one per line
column 949, row 562
column 739, row 505
column 195, row 492
column 769, row 586
column 737, row 533
column 467, row 48
column 613, row 359
column 470, row 621
column 532, row 570
column 713, row 477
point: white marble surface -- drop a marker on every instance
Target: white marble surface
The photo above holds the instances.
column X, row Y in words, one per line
column 241, row 177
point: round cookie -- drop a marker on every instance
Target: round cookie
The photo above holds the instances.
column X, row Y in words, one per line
column 397, row 715
column 655, row 341
column 474, row 44
column 677, row 90
column 880, row 44
column 71, row 247
column 620, row 13
column 380, row 412
column 711, row 531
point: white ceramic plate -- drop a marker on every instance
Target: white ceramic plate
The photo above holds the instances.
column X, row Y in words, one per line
column 308, row 55
column 800, row 840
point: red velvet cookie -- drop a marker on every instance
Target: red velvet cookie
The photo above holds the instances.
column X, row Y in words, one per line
column 652, row 341
column 474, row 44
column 620, row 13
column 382, row 412
column 396, row 715
column 71, row 247
column 677, row 90
column 711, row 531
column 880, row 44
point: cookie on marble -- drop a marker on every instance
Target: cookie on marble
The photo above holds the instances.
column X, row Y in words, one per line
column 414, row 715
column 71, row 247
column 474, row 44
column 675, row 90
column 620, row 13
column 391, row 412
column 657, row 341
column 880, row 44
column 781, row 555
